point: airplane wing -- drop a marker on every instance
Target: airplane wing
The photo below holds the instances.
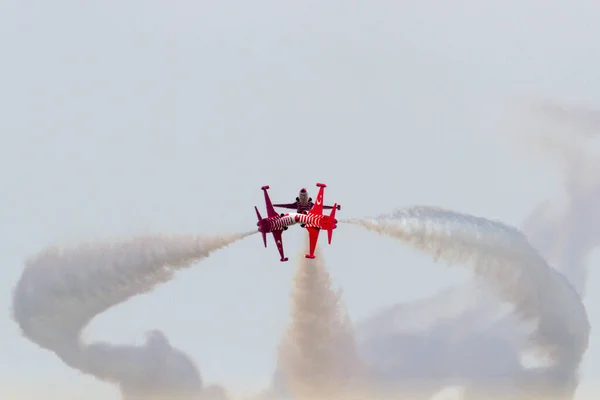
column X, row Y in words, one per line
column 313, row 236
column 277, row 236
column 318, row 207
column 270, row 210
column 292, row 206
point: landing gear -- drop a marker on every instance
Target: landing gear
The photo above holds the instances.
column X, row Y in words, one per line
column 302, row 225
column 285, row 228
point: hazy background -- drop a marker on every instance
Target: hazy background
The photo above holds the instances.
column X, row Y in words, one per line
column 160, row 116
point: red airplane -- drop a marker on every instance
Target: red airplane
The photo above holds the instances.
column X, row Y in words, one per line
column 314, row 221
column 274, row 223
column 317, row 221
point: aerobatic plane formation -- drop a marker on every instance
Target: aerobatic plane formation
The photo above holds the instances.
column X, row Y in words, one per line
column 308, row 214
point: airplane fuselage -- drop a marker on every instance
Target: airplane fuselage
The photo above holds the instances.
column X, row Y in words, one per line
column 278, row 223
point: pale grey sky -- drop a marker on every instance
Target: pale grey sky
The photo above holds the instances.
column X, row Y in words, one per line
column 120, row 118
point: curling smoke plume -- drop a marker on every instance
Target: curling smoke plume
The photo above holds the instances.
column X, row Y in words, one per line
column 461, row 334
column 318, row 357
column 62, row 289
column 503, row 258
column 567, row 231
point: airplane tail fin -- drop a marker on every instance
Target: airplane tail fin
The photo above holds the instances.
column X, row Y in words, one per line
column 264, row 235
column 330, row 231
column 258, row 214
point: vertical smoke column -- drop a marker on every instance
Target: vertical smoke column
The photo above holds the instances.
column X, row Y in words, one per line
column 62, row 289
column 318, row 358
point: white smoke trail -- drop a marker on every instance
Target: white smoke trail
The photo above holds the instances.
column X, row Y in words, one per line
column 62, row 289
column 567, row 231
column 483, row 345
column 318, row 357
column 501, row 256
